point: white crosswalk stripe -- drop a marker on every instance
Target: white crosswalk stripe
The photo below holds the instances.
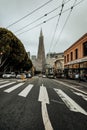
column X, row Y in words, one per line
column 13, row 88
column 80, row 94
column 26, row 91
column 70, row 103
column 1, row 82
column 5, row 85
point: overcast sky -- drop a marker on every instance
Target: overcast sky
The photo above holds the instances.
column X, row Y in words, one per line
column 75, row 27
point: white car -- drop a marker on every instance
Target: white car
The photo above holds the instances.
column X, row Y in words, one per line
column 44, row 76
column 20, row 76
column 9, row 75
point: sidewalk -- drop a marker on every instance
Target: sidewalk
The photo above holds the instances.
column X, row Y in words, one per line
column 74, row 82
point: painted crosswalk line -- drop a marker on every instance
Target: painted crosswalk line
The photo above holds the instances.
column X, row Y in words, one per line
column 44, row 99
column 25, row 92
column 5, row 85
column 1, row 82
column 71, row 86
column 82, row 95
column 13, row 88
column 70, row 103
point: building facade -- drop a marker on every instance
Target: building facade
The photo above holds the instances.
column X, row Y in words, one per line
column 75, row 59
column 55, row 61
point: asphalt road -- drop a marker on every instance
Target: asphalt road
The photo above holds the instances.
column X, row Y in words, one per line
column 42, row 104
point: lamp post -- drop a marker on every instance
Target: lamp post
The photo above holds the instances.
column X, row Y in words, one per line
column 1, row 57
column 79, row 72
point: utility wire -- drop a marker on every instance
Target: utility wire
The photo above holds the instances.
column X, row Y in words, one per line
column 50, row 18
column 29, row 14
column 65, row 23
column 43, row 22
column 57, row 25
column 32, row 28
column 41, row 17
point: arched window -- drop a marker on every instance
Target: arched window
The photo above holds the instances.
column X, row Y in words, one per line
column 85, row 49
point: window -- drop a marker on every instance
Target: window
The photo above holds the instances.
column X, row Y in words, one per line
column 76, row 53
column 71, row 56
column 68, row 58
column 65, row 59
column 85, row 49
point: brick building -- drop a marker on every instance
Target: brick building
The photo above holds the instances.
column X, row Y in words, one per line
column 75, row 59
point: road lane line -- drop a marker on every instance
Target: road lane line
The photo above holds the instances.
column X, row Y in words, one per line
column 71, row 87
column 13, row 88
column 1, row 82
column 44, row 99
column 25, row 92
column 82, row 95
column 70, row 103
column 43, row 95
column 5, row 85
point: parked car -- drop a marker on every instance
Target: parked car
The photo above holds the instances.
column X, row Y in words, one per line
column 28, row 75
column 21, row 76
column 44, row 76
column 9, row 75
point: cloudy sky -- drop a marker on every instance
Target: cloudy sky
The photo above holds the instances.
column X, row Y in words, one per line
column 25, row 18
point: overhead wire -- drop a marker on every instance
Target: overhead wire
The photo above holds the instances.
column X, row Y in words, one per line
column 57, row 41
column 49, row 18
column 57, row 25
column 43, row 22
column 29, row 13
column 41, row 17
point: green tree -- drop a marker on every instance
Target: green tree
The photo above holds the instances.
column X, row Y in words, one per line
column 12, row 52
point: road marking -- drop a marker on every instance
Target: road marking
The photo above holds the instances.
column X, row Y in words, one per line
column 71, row 104
column 13, row 88
column 4, row 85
column 1, row 82
column 56, row 101
column 43, row 95
column 44, row 99
column 82, row 95
column 71, row 87
column 25, row 92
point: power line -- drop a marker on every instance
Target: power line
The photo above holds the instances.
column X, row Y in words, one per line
column 41, row 17
column 32, row 28
column 50, row 18
column 57, row 24
column 29, row 14
column 65, row 23
column 43, row 22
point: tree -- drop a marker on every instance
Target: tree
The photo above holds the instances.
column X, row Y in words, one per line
column 12, row 52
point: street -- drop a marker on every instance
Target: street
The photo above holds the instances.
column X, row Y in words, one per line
column 42, row 104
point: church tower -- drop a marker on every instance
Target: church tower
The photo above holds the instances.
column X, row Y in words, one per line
column 41, row 53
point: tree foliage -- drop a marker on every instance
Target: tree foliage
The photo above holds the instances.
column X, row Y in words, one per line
column 13, row 51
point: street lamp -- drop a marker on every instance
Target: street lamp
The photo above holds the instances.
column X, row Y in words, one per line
column 1, row 56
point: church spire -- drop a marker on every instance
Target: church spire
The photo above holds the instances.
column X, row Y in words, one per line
column 41, row 33
column 41, row 53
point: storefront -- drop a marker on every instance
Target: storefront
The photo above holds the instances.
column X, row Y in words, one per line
column 77, row 67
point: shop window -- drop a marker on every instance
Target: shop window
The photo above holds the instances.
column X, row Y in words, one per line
column 71, row 56
column 85, row 49
column 76, row 53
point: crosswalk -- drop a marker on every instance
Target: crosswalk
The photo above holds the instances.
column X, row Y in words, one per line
column 10, row 86
column 26, row 91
